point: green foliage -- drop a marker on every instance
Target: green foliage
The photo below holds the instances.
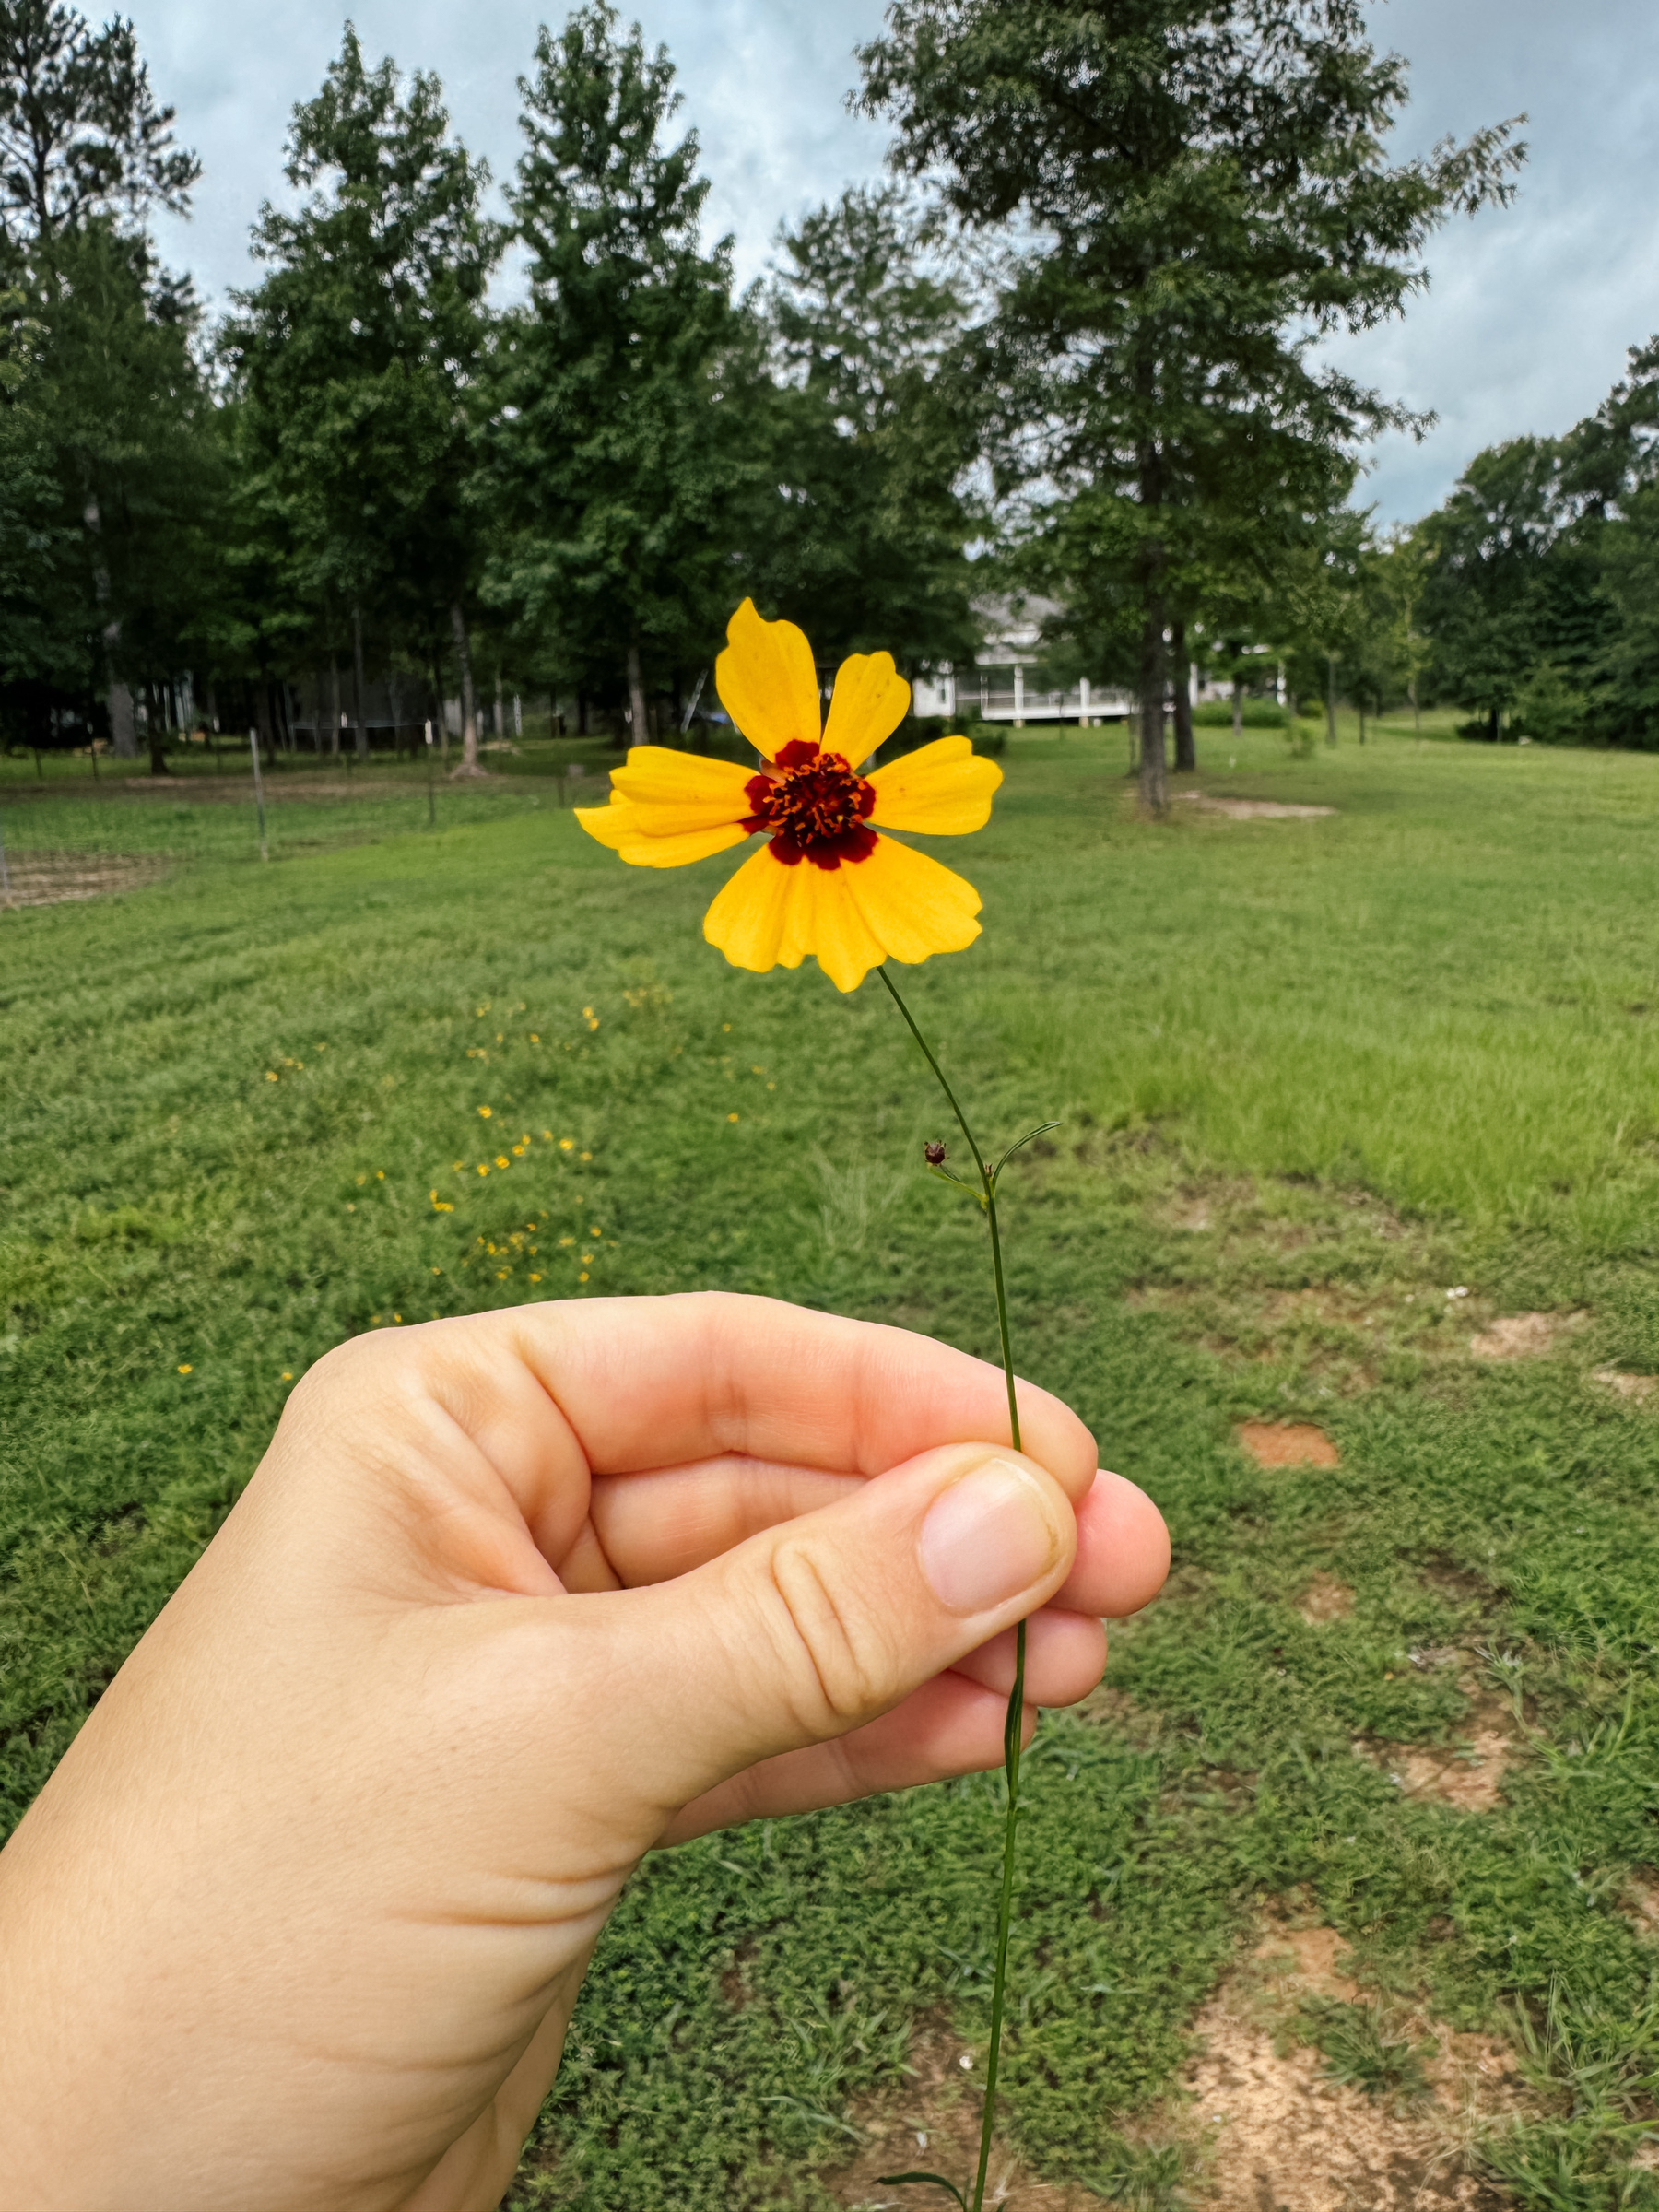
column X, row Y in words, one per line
column 354, row 364
column 1254, row 713
column 1204, row 194
column 81, row 139
column 864, row 543
column 623, row 441
column 1362, row 2051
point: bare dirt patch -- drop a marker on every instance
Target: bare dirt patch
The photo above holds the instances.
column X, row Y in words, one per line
column 1524, row 1335
column 1252, row 810
column 1467, row 1775
column 932, row 2123
column 1284, row 2137
column 50, row 878
column 1638, row 1900
column 1288, row 1444
column 1638, row 1389
column 1289, row 2139
column 1325, row 1599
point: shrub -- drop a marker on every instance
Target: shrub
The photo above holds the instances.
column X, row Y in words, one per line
column 1258, row 714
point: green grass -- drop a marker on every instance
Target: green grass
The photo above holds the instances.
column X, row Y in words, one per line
column 1312, row 1074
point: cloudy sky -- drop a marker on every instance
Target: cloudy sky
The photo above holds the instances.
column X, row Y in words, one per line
column 1523, row 328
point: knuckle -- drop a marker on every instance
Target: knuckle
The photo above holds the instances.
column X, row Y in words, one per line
column 832, row 1652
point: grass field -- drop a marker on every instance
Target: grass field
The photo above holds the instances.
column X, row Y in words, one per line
column 1315, row 1075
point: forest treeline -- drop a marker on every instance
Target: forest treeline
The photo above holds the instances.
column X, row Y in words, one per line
column 445, row 438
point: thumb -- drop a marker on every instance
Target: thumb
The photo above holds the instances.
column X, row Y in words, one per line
column 820, row 1625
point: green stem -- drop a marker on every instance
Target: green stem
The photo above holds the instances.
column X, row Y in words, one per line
column 1013, row 1725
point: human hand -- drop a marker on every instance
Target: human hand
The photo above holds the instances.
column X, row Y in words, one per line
column 297, row 1923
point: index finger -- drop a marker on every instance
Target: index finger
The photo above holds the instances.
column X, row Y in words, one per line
column 658, row 1382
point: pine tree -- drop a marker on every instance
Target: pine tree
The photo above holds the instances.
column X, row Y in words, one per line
column 624, row 440
column 1202, row 191
column 358, row 360
column 863, row 533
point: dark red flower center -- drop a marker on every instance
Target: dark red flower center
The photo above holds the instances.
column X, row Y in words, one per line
column 814, row 805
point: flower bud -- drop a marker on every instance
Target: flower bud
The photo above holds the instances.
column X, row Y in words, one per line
column 933, row 1154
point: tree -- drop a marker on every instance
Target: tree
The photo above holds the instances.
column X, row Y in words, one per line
column 1204, row 189
column 866, row 527
column 624, row 439
column 111, row 385
column 357, row 358
column 81, row 138
column 1486, row 602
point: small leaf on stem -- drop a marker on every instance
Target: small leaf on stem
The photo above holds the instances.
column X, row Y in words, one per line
column 938, row 2181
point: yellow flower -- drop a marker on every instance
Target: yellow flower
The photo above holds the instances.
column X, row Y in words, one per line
column 825, row 882
column 185, row 1369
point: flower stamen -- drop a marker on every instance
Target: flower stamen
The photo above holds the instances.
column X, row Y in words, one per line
column 816, row 807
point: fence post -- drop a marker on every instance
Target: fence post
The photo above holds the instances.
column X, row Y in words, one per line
column 264, row 852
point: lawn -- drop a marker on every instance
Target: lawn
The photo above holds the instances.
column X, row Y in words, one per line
column 1315, row 1076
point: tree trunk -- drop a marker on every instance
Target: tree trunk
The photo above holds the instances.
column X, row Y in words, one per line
column 1238, row 708
column 469, row 705
column 1417, row 719
column 439, row 719
column 1186, row 752
column 1362, row 722
column 123, row 731
column 1330, row 699
column 638, row 725
column 1154, row 783
column 500, row 718
column 356, row 679
column 334, row 706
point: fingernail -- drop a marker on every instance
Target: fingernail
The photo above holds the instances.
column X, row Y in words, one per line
column 986, row 1538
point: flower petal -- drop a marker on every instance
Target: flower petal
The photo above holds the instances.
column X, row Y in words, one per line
column 613, row 825
column 942, row 790
column 766, row 682
column 673, row 793
column 846, row 946
column 869, row 703
column 619, row 826
column 762, row 918
column 897, row 904
column 911, row 905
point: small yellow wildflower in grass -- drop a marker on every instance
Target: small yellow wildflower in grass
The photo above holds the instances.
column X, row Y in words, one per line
column 374, row 1320
column 484, row 1113
column 361, row 1180
column 483, row 1167
column 587, row 1156
column 379, row 1174
column 567, row 1144
column 535, row 1278
column 287, row 1375
column 582, row 1278
column 397, row 1317
column 731, row 1117
column 564, row 1241
column 186, row 1368
column 534, row 1037
column 271, row 1076
column 825, row 882
column 501, row 1159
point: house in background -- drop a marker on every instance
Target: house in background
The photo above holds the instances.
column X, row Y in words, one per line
column 997, row 688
